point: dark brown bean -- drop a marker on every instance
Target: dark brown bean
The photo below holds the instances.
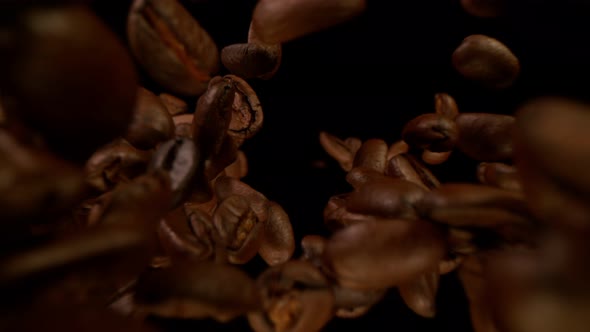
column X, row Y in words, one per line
column 197, row 291
column 499, row 175
column 179, row 158
column 171, row 46
column 278, row 243
column 446, row 105
column 433, row 132
column 77, row 93
column 406, row 167
column 485, row 137
column 383, row 253
column 343, row 151
column 247, row 116
column 392, row 199
column 252, row 60
column 435, row 158
column 193, row 241
column 484, row 8
column 281, row 21
column 151, row 123
column 238, row 228
column 486, row 60
column 174, row 105
column 226, row 186
column 115, row 163
column 420, row 294
column 372, row 155
column 296, row 297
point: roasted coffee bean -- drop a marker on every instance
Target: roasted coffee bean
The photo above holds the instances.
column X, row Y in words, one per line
column 435, row 158
column 115, row 163
column 406, row 167
column 64, row 84
column 239, row 168
column 183, row 125
column 151, row 122
column 171, row 46
column 238, row 228
column 181, row 240
column 372, row 155
column 359, row 176
column 486, row 60
column 343, row 151
column 53, row 317
column 396, row 148
column 462, row 204
column 179, row 158
column 433, row 132
column 275, row 21
column 226, row 186
column 246, row 116
column 278, row 242
column 420, row 294
column 383, row 253
column 174, row 105
column 36, row 186
column 252, row 60
column 296, row 297
column 485, row 137
column 196, row 291
column 353, row 303
column 551, row 159
column 499, row 175
column 446, row 105
column 393, row 199
column 213, row 116
column 484, row 8
column 313, row 247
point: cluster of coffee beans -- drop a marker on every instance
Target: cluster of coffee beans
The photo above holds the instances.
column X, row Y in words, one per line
column 120, row 204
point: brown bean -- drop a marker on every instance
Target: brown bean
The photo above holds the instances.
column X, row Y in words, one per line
column 499, row 175
column 179, row 158
column 485, row 137
column 238, row 228
column 420, row 294
column 151, row 123
column 247, row 116
column 296, row 297
column 393, row 199
column 76, row 94
column 197, row 291
column 385, row 253
column 343, row 151
column 174, row 105
column 281, row 21
column 435, row 158
column 226, row 186
column 171, row 46
column 486, row 60
column 252, row 60
column 184, row 241
column 484, row 8
column 433, row 132
column 372, row 154
column 446, row 105
column 278, row 243
column 406, row 167
column 115, row 163
column 396, row 148
column 353, row 303
column 183, row 125
column 239, row 168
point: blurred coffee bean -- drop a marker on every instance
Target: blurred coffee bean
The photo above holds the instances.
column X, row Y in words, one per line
column 174, row 105
column 486, row 60
column 343, row 151
column 296, row 297
column 151, row 122
column 179, row 158
column 500, row 175
column 433, row 132
column 197, row 291
column 485, row 137
column 114, row 163
column 61, row 82
column 420, row 294
column 276, row 21
column 278, row 241
column 484, row 8
column 171, row 46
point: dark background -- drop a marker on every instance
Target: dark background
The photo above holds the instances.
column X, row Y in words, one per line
column 367, row 78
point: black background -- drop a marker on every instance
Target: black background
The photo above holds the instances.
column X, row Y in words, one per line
column 368, row 77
